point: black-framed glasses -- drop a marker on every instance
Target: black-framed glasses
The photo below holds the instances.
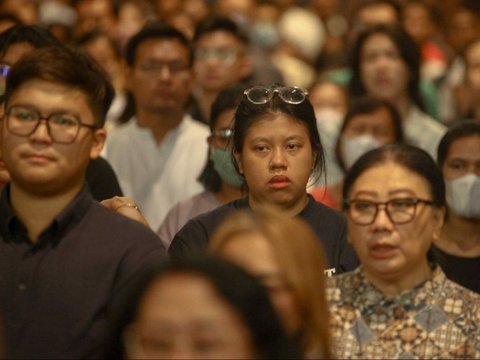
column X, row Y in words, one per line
column 399, row 211
column 263, row 94
column 62, row 127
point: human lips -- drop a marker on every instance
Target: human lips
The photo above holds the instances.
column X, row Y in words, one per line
column 383, row 81
column 382, row 251
column 37, row 158
column 279, row 182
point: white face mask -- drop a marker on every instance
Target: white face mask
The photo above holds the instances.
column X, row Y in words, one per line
column 354, row 147
column 325, row 115
column 463, row 196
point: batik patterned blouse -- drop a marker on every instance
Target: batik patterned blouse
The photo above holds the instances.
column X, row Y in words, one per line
column 437, row 319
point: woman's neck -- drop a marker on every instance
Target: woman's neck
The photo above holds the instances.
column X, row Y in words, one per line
column 403, row 104
column 291, row 208
column 460, row 237
column 228, row 193
column 394, row 284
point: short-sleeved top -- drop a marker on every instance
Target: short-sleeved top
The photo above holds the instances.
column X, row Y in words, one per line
column 184, row 211
column 55, row 293
column 437, row 319
column 329, row 225
column 464, row 271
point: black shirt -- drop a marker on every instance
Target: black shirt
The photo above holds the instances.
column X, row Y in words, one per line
column 328, row 224
column 54, row 293
column 463, row 270
column 102, row 180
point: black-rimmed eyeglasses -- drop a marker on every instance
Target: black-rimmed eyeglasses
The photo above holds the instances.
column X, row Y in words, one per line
column 399, row 211
column 63, row 128
column 262, row 94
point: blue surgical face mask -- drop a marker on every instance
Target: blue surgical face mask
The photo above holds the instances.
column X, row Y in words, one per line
column 223, row 164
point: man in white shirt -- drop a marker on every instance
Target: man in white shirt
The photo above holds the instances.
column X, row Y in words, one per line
column 160, row 152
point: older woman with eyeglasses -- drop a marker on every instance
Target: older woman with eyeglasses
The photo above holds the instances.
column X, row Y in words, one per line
column 397, row 304
column 277, row 150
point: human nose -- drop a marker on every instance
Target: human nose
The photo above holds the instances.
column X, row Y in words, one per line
column 382, row 220
column 278, row 159
column 41, row 133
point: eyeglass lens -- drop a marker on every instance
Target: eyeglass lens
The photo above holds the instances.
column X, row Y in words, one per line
column 22, row 121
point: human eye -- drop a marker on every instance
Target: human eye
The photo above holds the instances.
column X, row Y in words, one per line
column 369, row 56
column 293, row 146
column 23, row 114
column 227, row 54
column 261, row 148
column 63, row 120
column 456, row 165
column 205, row 345
column 402, row 204
column 176, row 66
column 392, row 54
column 157, row 345
column 146, row 66
column 363, row 205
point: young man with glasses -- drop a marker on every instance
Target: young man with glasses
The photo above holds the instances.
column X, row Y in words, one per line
column 19, row 41
column 64, row 257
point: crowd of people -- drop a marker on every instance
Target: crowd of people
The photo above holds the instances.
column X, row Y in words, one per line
column 239, row 179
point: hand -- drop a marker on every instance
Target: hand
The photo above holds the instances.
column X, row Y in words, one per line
column 126, row 207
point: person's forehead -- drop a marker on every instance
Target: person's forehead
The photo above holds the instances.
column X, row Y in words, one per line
column 53, row 93
column 466, row 146
column 165, row 47
column 218, row 37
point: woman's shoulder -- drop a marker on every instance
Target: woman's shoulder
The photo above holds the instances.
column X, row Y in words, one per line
column 321, row 211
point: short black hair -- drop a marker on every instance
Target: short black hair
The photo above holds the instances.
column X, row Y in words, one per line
column 156, row 30
column 34, row 35
column 98, row 34
column 462, row 129
column 67, row 67
column 219, row 23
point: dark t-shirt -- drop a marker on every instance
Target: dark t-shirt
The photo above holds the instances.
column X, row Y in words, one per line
column 55, row 293
column 328, row 224
column 102, row 180
column 464, row 271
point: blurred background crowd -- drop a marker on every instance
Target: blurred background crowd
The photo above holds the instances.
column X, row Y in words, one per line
column 349, row 77
column 295, row 42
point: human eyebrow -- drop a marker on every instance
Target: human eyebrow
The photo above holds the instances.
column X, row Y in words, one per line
column 367, row 193
column 402, row 191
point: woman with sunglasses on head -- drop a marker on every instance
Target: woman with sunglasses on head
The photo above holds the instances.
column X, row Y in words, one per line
column 277, row 150
column 221, row 181
column 397, row 304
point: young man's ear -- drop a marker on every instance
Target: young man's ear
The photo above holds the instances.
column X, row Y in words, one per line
column 99, row 137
